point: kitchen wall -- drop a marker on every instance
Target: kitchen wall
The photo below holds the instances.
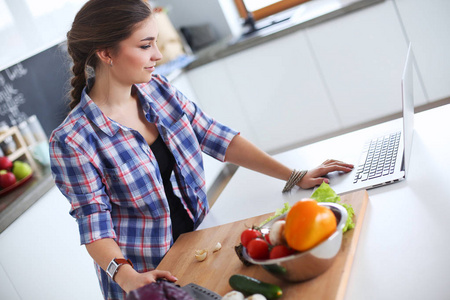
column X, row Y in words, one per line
column 28, row 27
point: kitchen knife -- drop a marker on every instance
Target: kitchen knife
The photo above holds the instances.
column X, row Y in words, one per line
column 200, row 293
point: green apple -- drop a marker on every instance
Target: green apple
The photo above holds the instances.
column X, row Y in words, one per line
column 21, row 169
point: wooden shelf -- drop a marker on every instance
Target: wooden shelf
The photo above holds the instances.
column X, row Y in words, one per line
column 22, row 150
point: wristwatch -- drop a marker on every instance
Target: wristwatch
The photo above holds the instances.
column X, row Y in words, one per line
column 115, row 264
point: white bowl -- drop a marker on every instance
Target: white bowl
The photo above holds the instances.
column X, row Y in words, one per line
column 308, row 264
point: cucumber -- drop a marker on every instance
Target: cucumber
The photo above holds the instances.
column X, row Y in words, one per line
column 249, row 286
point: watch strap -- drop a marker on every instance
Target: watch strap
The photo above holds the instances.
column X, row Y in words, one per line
column 121, row 261
column 115, row 264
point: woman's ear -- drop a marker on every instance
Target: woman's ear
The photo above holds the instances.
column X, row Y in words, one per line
column 105, row 56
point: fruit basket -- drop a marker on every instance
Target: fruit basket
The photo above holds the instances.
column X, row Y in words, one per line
column 16, row 185
column 22, row 148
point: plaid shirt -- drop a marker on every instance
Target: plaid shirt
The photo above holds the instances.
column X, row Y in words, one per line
column 112, row 180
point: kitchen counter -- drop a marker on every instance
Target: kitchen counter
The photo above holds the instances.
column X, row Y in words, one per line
column 303, row 16
column 402, row 252
column 16, row 202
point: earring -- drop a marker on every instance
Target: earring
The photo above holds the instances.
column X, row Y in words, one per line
column 110, row 62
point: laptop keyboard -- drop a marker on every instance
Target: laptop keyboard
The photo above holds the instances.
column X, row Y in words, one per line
column 379, row 157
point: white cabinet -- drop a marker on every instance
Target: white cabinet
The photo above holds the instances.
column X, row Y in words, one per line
column 217, row 94
column 427, row 25
column 272, row 93
column 41, row 256
column 361, row 56
column 334, row 75
column 281, row 92
column 7, row 290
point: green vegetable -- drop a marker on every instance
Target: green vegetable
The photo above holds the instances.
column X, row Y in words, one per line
column 249, row 286
column 325, row 193
column 278, row 212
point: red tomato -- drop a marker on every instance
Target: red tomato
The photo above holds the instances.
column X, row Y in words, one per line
column 248, row 235
column 266, row 236
column 280, row 251
column 258, row 249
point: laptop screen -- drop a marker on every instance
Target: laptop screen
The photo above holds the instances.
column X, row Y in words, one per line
column 408, row 106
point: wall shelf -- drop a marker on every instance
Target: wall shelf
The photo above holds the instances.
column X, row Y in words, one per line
column 22, row 151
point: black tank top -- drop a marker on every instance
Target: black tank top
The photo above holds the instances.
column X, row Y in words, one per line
column 181, row 222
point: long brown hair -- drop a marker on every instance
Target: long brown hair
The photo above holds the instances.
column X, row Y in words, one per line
column 100, row 24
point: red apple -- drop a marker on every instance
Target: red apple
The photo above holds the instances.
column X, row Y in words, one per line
column 5, row 163
column 6, row 179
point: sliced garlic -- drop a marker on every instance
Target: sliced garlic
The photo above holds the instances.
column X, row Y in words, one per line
column 217, row 247
column 200, row 255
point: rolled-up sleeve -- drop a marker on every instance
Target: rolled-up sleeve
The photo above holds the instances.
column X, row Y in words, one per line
column 80, row 182
column 213, row 136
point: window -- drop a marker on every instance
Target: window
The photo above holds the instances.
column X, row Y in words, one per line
column 259, row 9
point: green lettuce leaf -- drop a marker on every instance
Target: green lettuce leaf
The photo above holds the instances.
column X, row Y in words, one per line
column 324, row 193
column 278, row 212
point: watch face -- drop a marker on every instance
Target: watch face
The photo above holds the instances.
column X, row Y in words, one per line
column 111, row 268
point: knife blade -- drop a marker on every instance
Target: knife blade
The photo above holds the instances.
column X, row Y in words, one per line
column 200, row 293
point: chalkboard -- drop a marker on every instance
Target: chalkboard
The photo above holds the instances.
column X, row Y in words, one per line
column 38, row 86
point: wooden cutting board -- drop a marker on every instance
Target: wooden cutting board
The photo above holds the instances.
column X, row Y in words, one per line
column 214, row 272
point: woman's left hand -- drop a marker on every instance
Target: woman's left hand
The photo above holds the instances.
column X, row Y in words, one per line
column 129, row 279
column 314, row 176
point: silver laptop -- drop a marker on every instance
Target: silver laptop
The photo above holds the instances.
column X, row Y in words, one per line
column 385, row 158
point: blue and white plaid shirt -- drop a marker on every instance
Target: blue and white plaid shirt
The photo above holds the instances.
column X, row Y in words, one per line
column 112, row 180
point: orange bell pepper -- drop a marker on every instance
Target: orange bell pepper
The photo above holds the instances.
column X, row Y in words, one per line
column 308, row 224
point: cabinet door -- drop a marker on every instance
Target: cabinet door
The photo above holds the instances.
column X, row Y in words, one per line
column 41, row 254
column 7, row 290
column 217, row 94
column 427, row 24
column 361, row 56
column 282, row 92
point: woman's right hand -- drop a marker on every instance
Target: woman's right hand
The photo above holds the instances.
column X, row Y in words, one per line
column 129, row 279
column 314, row 177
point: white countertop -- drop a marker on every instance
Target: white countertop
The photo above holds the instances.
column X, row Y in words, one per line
column 404, row 244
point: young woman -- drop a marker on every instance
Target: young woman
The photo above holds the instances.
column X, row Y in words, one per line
column 128, row 157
